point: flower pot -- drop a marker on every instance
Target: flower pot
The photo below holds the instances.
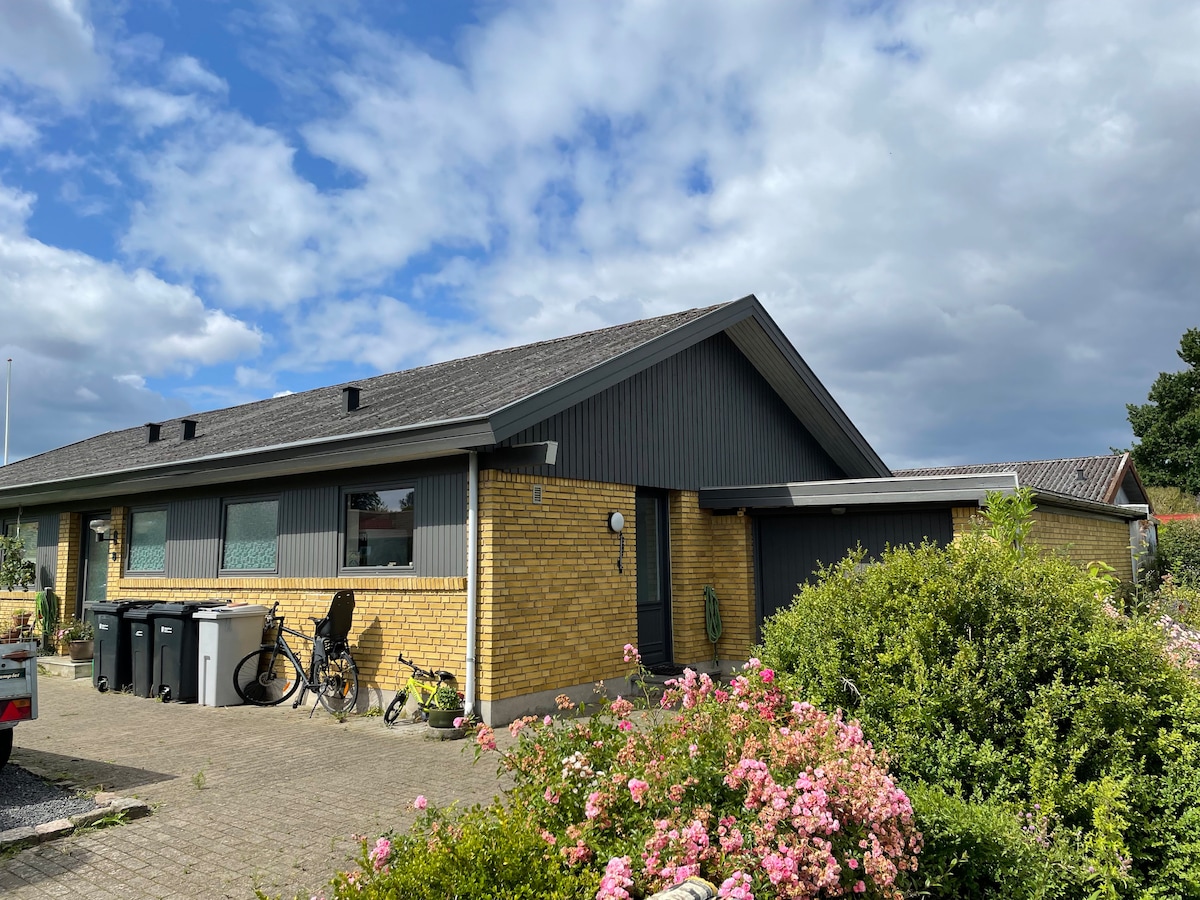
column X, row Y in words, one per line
column 80, row 651
column 22, row 620
column 443, row 718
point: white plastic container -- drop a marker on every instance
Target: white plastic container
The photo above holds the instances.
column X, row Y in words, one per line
column 227, row 633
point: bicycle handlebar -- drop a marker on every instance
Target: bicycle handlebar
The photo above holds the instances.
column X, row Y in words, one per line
column 419, row 672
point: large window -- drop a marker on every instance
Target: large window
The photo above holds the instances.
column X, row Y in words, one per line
column 147, row 541
column 251, row 536
column 378, row 528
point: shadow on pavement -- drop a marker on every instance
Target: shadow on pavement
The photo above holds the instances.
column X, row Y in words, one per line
column 86, row 773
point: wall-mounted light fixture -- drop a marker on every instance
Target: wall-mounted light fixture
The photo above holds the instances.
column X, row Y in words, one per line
column 616, row 524
column 106, row 531
column 838, row 510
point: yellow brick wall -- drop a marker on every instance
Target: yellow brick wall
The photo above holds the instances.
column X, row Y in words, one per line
column 1082, row 539
column 716, row 550
column 424, row 617
column 553, row 609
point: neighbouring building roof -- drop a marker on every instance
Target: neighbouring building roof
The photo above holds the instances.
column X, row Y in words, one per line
column 432, row 410
column 1102, row 479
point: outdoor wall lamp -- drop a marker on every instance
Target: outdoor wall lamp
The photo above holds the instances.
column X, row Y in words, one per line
column 616, row 524
column 105, row 531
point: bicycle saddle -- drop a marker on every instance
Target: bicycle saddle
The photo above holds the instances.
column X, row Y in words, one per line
column 444, row 675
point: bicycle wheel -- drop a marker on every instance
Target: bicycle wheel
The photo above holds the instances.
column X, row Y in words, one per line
column 392, row 713
column 337, row 683
column 265, row 677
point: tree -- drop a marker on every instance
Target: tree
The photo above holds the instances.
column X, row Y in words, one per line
column 1169, row 425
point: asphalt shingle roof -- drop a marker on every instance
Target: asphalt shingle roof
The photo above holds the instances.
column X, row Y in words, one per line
column 1085, row 477
column 457, row 389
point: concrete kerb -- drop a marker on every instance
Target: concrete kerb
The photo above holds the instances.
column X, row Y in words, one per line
column 108, row 806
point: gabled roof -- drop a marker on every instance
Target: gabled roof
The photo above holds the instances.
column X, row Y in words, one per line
column 1096, row 478
column 433, row 410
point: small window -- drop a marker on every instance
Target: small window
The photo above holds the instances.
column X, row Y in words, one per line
column 28, row 533
column 378, row 528
column 251, row 536
column 147, row 541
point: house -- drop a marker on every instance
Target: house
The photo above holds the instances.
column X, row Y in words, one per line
column 470, row 504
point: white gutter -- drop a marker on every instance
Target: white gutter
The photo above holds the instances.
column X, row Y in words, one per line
column 472, row 576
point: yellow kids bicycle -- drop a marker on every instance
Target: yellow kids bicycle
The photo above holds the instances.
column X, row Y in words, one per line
column 423, row 684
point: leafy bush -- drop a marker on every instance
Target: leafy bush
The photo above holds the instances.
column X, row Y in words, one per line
column 1004, row 680
column 480, row 854
column 1179, row 551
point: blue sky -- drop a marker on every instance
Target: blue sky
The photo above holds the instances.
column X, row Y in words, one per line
column 978, row 222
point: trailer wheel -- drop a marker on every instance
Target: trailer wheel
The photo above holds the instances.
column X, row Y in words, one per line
column 5, row 745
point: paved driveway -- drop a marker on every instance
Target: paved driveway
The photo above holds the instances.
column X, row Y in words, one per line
column 242, row 797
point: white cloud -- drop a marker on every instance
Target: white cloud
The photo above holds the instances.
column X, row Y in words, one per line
column 50, row 44
column 952, row 209
column 15, row 131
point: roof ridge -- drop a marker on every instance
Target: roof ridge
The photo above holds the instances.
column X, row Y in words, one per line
column 1019, row 462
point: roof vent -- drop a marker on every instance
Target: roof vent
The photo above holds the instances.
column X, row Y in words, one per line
column 350, row 398
column 153, row 432
column 1080, row 475
column 189, row 428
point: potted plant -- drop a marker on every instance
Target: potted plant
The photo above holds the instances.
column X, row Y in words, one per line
column 445, row 707
column 22, row 618
column 78, row 635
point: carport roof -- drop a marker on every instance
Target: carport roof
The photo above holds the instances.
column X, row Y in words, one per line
column 961, row 489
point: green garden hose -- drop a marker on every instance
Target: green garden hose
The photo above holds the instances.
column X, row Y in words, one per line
column 712, row 617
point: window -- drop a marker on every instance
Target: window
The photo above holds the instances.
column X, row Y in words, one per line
column 28, row 533
column 378, row 528
column 251, row 536
column 148, row 541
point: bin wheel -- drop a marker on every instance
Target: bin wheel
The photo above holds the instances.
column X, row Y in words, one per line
column 102, row 684
column 164, row 693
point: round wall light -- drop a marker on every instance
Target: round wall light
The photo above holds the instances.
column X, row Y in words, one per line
column 616, row 522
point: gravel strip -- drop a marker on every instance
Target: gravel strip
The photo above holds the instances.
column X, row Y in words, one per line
column 26, row 800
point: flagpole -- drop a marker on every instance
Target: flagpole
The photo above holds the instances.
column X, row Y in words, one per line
column 7, row 394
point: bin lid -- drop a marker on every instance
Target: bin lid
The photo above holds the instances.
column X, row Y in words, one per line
column 180, row 610
column 230, row 612
column 115, row 606
column 138, row 612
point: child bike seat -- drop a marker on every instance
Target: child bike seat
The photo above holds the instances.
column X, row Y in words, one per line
column 335, row 627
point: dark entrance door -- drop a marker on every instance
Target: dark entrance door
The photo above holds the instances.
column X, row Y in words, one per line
column 653, row 578
column 93, row 563
column 792, row 546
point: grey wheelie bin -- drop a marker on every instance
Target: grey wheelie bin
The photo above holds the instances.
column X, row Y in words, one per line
column 227, row 633
column 141, row 650
column 112, row 662
column 176, row 650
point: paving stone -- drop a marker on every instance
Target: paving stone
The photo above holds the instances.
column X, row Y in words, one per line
column 281, row 794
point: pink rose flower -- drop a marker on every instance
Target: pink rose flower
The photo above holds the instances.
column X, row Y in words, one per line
column 420, row 802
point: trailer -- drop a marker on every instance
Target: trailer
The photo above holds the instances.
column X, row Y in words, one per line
column 18, row 690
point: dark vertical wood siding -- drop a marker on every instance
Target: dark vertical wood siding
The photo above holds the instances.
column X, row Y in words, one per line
column 440, row 541
column 308, row 532
column 193, row 538
column 790, row 548
column 310, row 521
column 47, row 550
column 702, row 418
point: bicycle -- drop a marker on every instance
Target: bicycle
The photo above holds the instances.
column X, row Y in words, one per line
column 272, row 673
column 422, row 684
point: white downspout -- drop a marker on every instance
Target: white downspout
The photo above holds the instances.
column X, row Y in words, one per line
column 472, row 576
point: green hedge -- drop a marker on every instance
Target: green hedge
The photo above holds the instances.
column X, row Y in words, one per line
column 1179, row 551
column 1002, row 686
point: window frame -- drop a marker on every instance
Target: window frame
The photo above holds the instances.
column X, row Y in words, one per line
column 374, row 571
column 227, row 502
column 146, row 573
column 15, row 524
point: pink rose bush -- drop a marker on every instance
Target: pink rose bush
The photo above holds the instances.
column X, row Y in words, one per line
column 763, row 796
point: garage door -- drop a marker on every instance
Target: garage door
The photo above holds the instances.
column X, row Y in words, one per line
column 792, row 546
